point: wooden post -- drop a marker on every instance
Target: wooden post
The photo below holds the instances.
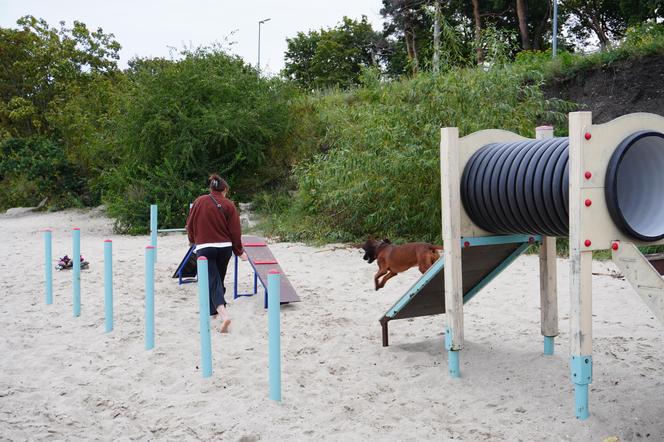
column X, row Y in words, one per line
column 580, row 258
column 548, row 273
column 451, row 208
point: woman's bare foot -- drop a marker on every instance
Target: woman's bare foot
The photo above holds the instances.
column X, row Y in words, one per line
column 224, row 325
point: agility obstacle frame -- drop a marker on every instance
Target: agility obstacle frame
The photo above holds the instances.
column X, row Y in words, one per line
column 615, row 203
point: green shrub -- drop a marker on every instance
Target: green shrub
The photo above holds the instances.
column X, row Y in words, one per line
column 131, row 190
column 34, row 168
column 180, row 120
column 380, row 172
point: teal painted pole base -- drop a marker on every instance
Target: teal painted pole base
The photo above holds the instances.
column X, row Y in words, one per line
column 581, row 401
column 582, row 374
column 453, row 363
column 452, row 355
column 548, row 345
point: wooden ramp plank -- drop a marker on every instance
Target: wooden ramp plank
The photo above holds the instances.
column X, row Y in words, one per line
column 262, row 260
column 477, row 263
column 643, row 276
column 657, row 261
column 427, row 296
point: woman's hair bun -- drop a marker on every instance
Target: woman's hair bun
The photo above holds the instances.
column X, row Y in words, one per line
column 215, row 182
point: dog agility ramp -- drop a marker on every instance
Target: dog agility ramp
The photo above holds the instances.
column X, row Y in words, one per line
column 427, row 296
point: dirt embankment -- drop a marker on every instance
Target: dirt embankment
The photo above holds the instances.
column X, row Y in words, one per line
column 609, row 91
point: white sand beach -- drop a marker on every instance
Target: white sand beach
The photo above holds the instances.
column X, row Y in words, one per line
column 63, row 378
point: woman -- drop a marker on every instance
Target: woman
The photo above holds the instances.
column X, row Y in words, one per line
column 213, row 225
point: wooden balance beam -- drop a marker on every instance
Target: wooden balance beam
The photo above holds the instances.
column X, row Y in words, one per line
column 262, row 261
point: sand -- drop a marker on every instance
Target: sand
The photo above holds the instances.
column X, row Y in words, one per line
column 63, row 378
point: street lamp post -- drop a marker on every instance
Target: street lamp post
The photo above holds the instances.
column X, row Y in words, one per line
column 555, row 28
column 259, row 41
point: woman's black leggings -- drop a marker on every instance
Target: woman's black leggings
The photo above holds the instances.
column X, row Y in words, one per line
column 217, row 258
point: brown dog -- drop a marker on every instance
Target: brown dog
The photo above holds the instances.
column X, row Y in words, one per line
column 393, row 260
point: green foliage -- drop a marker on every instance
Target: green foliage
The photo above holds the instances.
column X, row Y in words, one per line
column 56, row 83
column 39, row 68
column 178, row 121
column 640, row 40
column 381, row 173
column 131, row 188
column 35, row 168
column 499, row 45
column 608, row 19
column 331, row 57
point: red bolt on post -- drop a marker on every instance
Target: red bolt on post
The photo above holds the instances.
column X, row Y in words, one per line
column 588, row 175
column 588, row 203
column 466, row 244
column 588, row 135
column 587, row 243
column 615, row 245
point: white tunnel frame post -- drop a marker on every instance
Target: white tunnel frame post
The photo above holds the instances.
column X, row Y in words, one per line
column 451, row 226
column 548, row 275
column 457, row 225
column 580, row 261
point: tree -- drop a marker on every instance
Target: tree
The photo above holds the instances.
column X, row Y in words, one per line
column 42, row 66
column 608, row 19
column 477, row 18
column 523, row 23
column 333, row 56
column 410, row 22
column 177, row 120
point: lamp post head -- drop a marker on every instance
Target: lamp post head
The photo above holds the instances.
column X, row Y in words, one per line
column 264, row 20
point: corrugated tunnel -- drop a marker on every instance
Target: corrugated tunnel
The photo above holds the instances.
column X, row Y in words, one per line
column 523, row 187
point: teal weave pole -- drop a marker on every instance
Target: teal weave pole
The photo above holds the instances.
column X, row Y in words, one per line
column 108, row 285
column 274, row 333
column 149, row 297
column 76, row 259
column 204, row 316
column 48, row 270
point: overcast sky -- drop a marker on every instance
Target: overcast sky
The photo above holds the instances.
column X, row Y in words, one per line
column 148, row 28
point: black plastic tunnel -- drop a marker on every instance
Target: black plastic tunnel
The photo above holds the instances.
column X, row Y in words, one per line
column 523, row 187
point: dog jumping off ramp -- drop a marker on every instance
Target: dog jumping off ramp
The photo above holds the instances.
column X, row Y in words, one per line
column 481, row 264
